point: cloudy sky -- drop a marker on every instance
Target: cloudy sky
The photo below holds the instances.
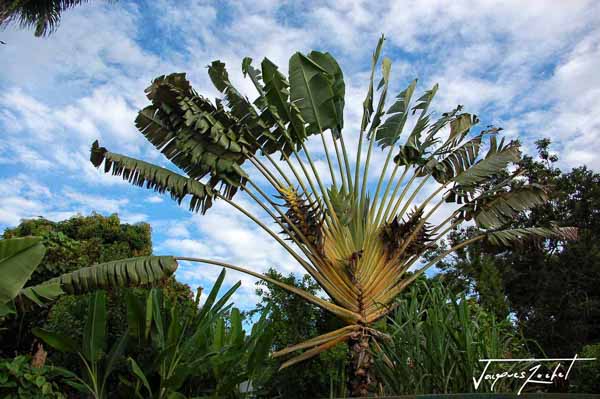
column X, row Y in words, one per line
column 531, row 67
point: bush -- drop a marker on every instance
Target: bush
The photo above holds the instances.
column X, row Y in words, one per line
column 18, row 379
column 587, row 375
column 71, row 245
column 295, row 320
column 437, row 339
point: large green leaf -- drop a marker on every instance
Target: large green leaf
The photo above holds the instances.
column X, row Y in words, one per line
column 239, row 106
column 368, row 102
column 61, row 342
column 236, row 330
column 386, row 69
column 19, row 257
column 494, row 163
column 136, row 316
column 199, row 137
column 460, row 126
column 43, row 293
column 265, row 129
column 254, row 74
column 137, row 370
column 118, row 273
column 329, row 64
column 391, row 129
column 311, row 89
column 159, row 179
column 207, row 307
column 455, row 161
column 94, row 331
column 7, row 308
column 495, row 210
column 509, row 237
column 288, row 123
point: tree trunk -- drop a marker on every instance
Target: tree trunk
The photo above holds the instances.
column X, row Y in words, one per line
column 360, row 375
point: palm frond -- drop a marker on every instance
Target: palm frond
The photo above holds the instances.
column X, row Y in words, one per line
column 199, row 137
column 42, row 15
column 118, row 273
column 159, row 179
column 497, row 209
column 509, row 237
column 389, row 133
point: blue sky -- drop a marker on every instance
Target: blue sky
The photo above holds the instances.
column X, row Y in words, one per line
column 530, row 67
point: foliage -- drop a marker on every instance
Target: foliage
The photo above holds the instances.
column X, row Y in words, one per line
column 358, row 257
column 550, row 285
column 71, row 245
column 294, row 320
column 474, row 271
column 82, row 241
column 587, row 376
column 43, row 15
column 202, row 352
column 119, row 273
column 437, row 339
column 19, row 257
column 97, row 363
column 19, row 379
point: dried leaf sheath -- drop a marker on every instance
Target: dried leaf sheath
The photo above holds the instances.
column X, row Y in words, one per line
column 305, row 216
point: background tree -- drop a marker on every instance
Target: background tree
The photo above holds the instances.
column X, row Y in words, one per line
column 473, row 271
column 293, row 320
column 71, row 245
column 42, row 15
column 549, row 285
column 565, row 314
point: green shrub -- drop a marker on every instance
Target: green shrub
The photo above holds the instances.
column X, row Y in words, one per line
column 295, row 320
column 587, row 375
column 71, row 245
column 195, row 352
column 18, row 379
column 437, row 339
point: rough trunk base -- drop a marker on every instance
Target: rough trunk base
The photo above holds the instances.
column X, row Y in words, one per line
column 360, row 374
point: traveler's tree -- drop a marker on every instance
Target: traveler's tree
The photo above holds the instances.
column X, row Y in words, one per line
column 357, row 240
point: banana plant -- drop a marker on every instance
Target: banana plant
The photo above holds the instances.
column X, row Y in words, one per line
column 19, row 257
column 241, row 359
column 97, row 364
column 357, row 238
column 209, row 344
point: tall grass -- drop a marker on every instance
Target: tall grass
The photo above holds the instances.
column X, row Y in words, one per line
column 437, row 339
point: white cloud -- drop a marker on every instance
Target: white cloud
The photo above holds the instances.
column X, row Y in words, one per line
column 155, row 199
column 96, row 203
column 133, row 217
